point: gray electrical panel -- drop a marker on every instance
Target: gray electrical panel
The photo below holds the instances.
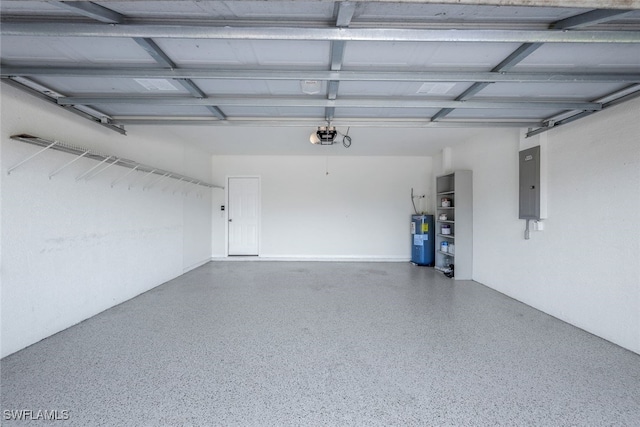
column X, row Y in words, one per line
column 530, row 183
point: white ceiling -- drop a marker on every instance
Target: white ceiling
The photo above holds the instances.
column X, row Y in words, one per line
column 249, row 60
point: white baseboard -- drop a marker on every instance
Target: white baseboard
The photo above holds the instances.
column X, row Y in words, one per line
column 312, row 258
column 196, row 265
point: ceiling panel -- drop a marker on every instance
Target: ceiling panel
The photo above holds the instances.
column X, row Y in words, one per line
column 72, row 50
column 71, row 86
column 264, row 38
column 255, row 87
column 395, row 113
column 186, row 52
column 276, row 112
column 503, row 113
column 31, row 8
column 460, row 13
column 443, row 90
column 153, row 110
column 271, row 10
column 630, row 18
column 410, row 55
column 577, row 91
column 582, row 56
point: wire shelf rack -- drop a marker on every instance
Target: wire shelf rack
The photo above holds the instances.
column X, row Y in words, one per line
column 103, row 159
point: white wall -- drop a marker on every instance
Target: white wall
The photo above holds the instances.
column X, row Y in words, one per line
column 584, row 267
column 72, row 249
column 360, row 210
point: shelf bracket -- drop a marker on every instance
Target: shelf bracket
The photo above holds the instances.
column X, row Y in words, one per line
column 105, row 162
column 148, row 187
column 124, row 176
column 57, row 171
column 92, row 169
column 115, row 161
column 11, row 169
column 143, row 176
column 181, row 187
column 173, row 184
column 191, row 182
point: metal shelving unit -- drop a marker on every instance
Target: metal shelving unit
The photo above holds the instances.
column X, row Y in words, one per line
column 456, row 188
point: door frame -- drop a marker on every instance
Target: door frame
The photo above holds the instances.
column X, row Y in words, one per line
column 226, row 214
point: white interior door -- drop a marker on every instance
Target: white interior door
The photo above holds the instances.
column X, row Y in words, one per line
column 244, row 215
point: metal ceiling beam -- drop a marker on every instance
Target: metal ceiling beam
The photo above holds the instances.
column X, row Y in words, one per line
column 615, row 98
column 155, row 52
column 516, row 57
column 332, row 89
column 216, row 112
column 593, row 17
column 163, row 59
column 346, row 9
column 589, row 18
column 107, row 124
column 509, row 62
column 526, row 49
column 370, row 122
column 345, row 14
column 106, row 15
column 387, row 102
column 417, row 22
column 464, row 96
column 261, row 74
column 91, row 10
column 592, row 4
column 337, row 55
column 556, row 3
column 194, row 90
column 191, row 87
column 71, row 29
column 329, row 113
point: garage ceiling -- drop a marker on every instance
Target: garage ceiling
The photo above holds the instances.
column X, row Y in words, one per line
column 408, row 64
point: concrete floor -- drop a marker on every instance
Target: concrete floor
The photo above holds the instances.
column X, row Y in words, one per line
column 323, row 344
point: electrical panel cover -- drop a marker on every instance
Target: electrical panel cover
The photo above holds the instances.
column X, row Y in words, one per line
column 530, row 183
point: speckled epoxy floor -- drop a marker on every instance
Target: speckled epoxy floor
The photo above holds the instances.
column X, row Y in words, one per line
column 323, row 344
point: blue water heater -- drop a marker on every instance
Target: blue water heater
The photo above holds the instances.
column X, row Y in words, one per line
column 422, row 240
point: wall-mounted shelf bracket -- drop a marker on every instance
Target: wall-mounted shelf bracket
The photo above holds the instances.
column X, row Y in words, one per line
column 141, row 177
column 173, row 184
column 124, row 176
column 115, row 161
column 147, row 187
column 11, row 169
column 189, row 191
column 92, row 169
column 180, row 187
column 61, row 168
column 111, row 160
